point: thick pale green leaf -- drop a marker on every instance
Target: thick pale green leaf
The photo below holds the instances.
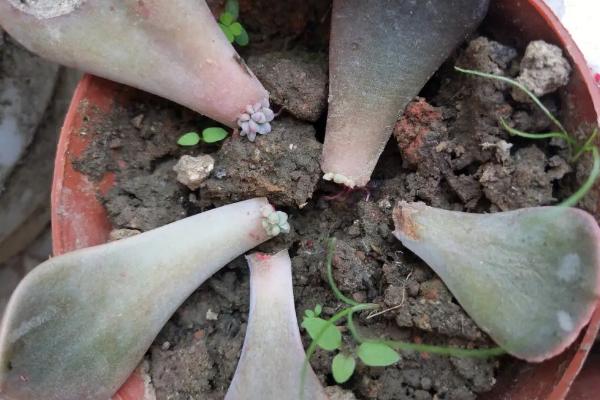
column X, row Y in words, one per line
column 227, row 32
column 331, row 338
column 226, row 19
column 233, row 7
column 189, row 139
column 377, row 354
column 236, row 28
column 309, row 313
column 242, row 39
column 530, row 278
column 342, row 367
column 212, row 135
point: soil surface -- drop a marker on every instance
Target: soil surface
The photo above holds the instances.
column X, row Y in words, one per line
column 450, row 153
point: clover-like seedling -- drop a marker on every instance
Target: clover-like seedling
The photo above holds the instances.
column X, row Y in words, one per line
column 372, row 352
column 209, row 135
column 228, row 22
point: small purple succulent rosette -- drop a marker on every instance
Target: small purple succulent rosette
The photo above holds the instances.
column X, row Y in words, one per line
column 255, row 120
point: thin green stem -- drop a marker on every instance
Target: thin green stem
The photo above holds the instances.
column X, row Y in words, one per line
column 587, row 145
column 512, row 82
column 529, row 135
column 446, row 351
column 589, row 182
column 352, row 328
column 563, row 134
column 337, row 293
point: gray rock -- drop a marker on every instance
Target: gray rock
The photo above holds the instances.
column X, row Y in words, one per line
column 543, row 70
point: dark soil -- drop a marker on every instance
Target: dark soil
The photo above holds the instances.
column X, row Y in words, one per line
column 451, row 153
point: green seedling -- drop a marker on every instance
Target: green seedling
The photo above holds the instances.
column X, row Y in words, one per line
column 228, row 22
column 372, row 352
column 576, row 149
column 209, row 135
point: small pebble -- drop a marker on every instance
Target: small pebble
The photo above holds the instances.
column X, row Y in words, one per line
column 192, row 171
column 118, row 234
column 137, row 121
column 211, row 315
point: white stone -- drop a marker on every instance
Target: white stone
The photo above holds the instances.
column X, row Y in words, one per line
column 211, row 315
column 192, row 171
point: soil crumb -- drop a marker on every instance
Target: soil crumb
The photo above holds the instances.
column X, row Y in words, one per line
column 283, row 165
column 295, row 80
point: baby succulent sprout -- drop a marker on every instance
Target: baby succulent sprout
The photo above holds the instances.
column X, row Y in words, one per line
column 272, row 356
column 530, row 278
column 79, row 324
column 255, row 120
column 274, row 222
column 174, row 49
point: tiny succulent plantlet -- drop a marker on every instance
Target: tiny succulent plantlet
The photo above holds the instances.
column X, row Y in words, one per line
column 372, row 352
column 256, row 119
column 272, row 356
column 228, row 22
column 381, row 54
column 174, row 49
column 209, row 135
column 79, row 323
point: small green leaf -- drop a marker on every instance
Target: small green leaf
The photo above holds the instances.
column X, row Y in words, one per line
column 226, row 19
column 342, row 367
column 232, row 7
column 242, row 39
column 189, row 139
column 236, row 28
column 318, row 310
column 331, row 338
column 309, row 313
column 377, row 354
column 227, row 32
column 212, row 135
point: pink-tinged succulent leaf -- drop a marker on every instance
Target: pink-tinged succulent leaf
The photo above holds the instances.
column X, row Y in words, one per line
column 530, row 278
column 381, row 54
column 174, row 49
column 270, row 367
column 78, row 324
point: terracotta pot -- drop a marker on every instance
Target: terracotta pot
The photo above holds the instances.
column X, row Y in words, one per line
column 79, row 220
